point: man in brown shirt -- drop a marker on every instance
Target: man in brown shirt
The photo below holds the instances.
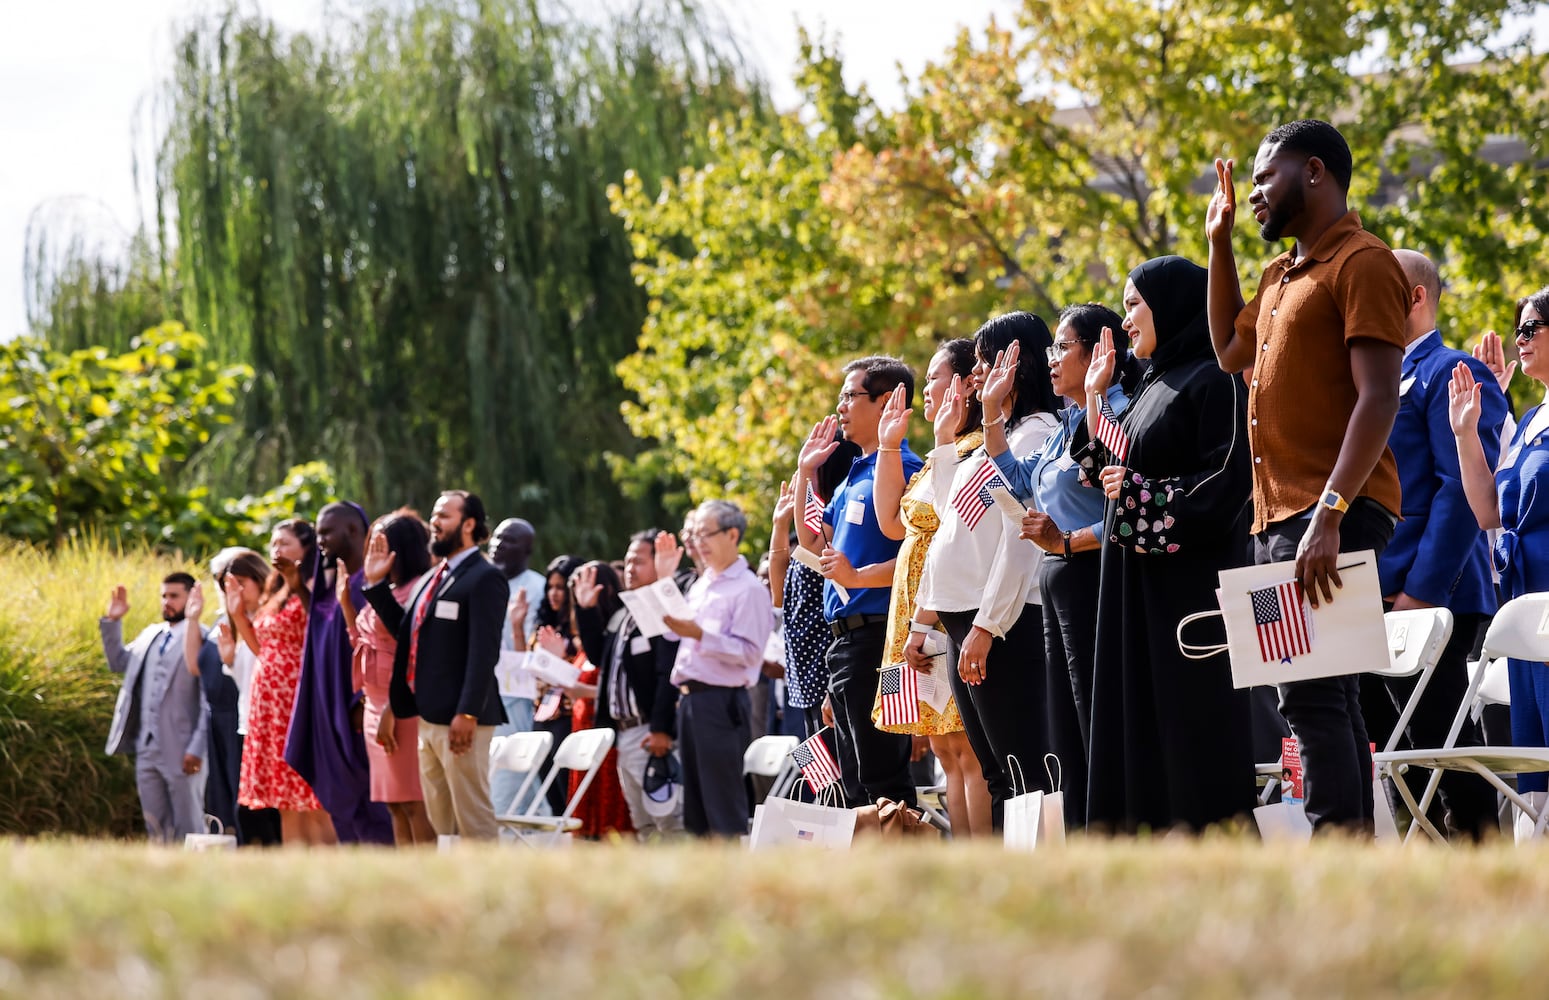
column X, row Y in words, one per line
column 1324, row 338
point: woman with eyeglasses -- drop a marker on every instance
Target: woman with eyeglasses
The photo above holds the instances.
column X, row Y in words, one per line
column 1066, row 520
column 1508, row 499
column 980, row 581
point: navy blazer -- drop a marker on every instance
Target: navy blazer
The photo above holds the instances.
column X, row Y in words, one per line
column 1438, row 554
column 455, row 666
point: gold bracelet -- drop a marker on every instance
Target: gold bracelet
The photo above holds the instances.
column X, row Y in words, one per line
column 889, row 449
column 775, row 552
column 998, row 420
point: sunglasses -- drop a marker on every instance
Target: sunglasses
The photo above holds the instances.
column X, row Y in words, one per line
column 1528, row 330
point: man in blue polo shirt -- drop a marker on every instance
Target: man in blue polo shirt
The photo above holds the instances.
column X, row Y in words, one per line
column 1438, row 556
column 858, row 557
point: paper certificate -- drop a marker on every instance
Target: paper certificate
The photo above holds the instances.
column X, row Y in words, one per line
column 510, row 672
column 652, row 603
column 809, row 559
column 1009, row 505
column 550, row 669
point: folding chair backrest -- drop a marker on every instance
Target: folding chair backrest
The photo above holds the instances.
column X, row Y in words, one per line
column 765, row 755
column 1520, row 629
column 521, row 752
column 1495, row 688
column 1416, row 639
column 585, row 750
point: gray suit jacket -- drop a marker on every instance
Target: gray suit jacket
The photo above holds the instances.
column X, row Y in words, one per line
column 183, row 719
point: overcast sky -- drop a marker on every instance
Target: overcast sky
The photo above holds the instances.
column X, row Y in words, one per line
column 73, row 73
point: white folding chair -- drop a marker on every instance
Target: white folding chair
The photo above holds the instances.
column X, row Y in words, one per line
column 584, row 752
column 1520, row 631
column 770, row 757
column 520, row 753
column 932, row 800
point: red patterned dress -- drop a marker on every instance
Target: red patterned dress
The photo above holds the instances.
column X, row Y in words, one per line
column 268, row 782
column 603, row 809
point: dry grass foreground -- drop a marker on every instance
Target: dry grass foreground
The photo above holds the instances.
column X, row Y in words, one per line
column 1221, row 918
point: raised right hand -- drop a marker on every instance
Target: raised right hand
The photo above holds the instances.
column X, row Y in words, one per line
column 1222, row 213
column 233, row 591
column 516, row 611
column 820, row 444
column 669, row 555
column 118, row 603
column 226, row 643
column 1001, row 379
column 1099, row 374
column 379, row 558
column 785, row 507
column 893, row 425
column 1463, row 401
column 954, row 407
column 585, row 587
column 1492, row 352
column 195, row 606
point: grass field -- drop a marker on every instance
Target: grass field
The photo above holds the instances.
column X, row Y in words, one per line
column 1220, row 918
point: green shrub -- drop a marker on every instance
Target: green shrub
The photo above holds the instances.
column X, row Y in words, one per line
column 56, row 691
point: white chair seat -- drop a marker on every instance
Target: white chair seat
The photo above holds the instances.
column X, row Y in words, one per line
column 1500, row 760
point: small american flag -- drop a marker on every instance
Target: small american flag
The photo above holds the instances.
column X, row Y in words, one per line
column 900, row 696
column 1282, row 621
column 806, row 835
column 1110, row 433
column 812, row 512
column 816, row 763
column 973, row 499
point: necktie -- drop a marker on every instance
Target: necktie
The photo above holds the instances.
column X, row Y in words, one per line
column 429, row 598
column 166, row 637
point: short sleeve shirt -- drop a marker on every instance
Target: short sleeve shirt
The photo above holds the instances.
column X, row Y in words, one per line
column 852, row 514
column 1301, row 394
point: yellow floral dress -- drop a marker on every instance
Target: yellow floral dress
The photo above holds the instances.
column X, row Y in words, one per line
column 920, row 524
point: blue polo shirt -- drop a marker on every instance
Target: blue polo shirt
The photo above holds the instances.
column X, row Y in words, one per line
column 853, row 517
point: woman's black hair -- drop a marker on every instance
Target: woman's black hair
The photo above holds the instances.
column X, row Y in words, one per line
column 562, row 566
column 1035, row 393
column 961, row 358
column 409, row 541
column 1539, row 300
column 835, row 468
column 1086, row 321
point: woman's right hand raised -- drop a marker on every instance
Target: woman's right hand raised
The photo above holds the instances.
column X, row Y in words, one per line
column 226, row 643
column 893, row 425
column 1002, row 378
column 785, row 507
column 820, row 444
column 585, row 587
column 1463, row 401
column 954, row 407
column 1099, row 373
column 1492, row 353
column 379, row 558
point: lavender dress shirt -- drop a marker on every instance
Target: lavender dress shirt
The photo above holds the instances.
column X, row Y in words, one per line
column 734, row 610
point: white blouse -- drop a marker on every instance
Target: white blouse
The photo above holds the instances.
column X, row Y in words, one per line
column 986, row 569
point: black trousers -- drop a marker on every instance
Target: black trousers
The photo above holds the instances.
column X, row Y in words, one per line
column 1466, row 802
column 714, row 730
column 1325, row 713
column 1069, row 588
column 875, row 764
column 1003, row 717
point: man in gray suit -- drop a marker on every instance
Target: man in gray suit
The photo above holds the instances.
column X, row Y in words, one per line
column 161, row 716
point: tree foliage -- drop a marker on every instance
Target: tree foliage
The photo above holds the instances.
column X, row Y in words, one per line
column 403, row 226
column 1033, row 166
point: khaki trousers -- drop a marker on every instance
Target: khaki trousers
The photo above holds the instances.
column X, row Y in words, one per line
column 457, row 788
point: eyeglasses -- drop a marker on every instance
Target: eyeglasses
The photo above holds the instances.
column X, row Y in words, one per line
column 1528, row 330
column 1060, row 349
column 850, row 395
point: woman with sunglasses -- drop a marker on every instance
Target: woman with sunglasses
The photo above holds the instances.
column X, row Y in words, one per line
column 1508, row 499
column 1066, row 520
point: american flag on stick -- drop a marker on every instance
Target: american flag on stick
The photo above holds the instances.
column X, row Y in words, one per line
column 900, row 695
column 816, row 763
column 973, row 499
column 1110, row 433
column 1282, row 621
column 812, row 512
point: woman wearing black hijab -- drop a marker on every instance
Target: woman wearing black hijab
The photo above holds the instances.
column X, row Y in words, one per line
column 1170, row 736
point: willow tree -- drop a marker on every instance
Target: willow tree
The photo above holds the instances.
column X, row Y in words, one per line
column 403, row 226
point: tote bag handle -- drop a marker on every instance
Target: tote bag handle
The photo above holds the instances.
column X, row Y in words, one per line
column 1194, row 651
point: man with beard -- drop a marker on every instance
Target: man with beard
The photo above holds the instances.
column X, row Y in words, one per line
column 1324, row 336
column 635, row 693
column 444, row 669
column 160, row 718
column 325, row 745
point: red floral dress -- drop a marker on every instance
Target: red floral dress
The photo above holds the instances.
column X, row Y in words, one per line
column 267, row 782
column 603, row 809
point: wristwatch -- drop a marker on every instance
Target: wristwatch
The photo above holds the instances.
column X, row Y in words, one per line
column 1067, row 543
column 1333, row 501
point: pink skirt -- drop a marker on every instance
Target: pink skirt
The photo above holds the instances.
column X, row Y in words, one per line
column 395, row 777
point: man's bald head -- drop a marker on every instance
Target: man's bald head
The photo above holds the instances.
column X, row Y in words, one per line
column 511, row 545
column 1421, row 276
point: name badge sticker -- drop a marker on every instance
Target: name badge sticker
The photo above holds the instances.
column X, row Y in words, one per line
column 855, row 512
column 447, row 610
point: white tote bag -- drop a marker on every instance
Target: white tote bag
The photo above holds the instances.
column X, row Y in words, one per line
column 220, row 840
column 1051, row 812
column 1273, row 637
column 781, row 821
column 1022, row 812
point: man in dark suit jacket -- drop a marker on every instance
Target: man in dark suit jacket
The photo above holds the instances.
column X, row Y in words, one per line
column 1438, row 556
column 635, row 693
column 444, row 669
